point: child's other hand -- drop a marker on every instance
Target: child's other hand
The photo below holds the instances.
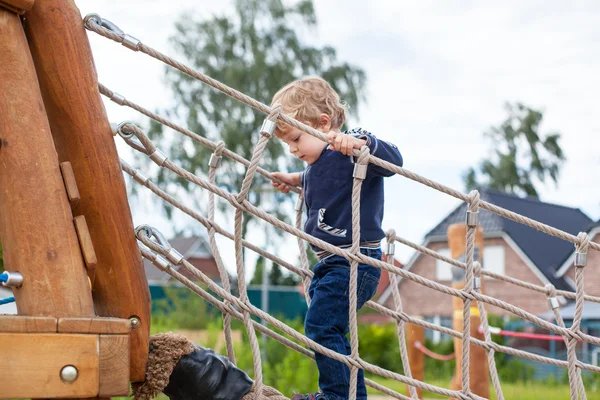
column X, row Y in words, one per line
column 344, row 143
column 287, row 179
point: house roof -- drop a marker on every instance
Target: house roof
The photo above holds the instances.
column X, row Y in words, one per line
column 592, row 230
column 189, row 247
column 545, row 251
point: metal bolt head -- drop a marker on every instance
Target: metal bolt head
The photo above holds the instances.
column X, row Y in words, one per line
column 135, row 322
column 68, row 374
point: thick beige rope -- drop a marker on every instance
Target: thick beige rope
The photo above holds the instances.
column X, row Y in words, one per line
column 488, row 337
column 397, row 316
column 462, row 294
column 468, row 294
column 215, row 250
column 93, row 26
column 400, row 323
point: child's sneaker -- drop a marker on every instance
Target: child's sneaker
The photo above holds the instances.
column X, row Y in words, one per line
column 312, row 396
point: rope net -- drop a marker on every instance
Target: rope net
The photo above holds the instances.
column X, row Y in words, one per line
column 155, row 248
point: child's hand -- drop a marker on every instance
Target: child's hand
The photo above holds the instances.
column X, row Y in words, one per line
column 287, row 179
column 344, row 143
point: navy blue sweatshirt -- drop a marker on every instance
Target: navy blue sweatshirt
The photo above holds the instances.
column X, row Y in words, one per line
column 327, row 187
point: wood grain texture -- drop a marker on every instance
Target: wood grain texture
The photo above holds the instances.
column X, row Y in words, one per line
column 31, row 365
column 114, row 326
column 70, row 183
column 17, row 6
column 83, row 136
column 114, row 365
column 24, row 324
column 36, row 223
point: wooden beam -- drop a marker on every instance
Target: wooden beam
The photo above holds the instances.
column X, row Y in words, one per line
column 70, row 183
column 36, row 224
column 17, row 6
column 83, row 136
column 107, row 326
column 114, row 365
column 32, row 363
column 24, row 324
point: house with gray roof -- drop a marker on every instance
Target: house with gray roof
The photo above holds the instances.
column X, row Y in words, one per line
column 196, row 250
column 510, row 249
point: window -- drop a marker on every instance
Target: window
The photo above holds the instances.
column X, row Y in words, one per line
column 493, row 259
column 441, row 320
column 443, row 270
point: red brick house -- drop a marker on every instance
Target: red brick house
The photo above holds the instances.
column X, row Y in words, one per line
column 591, row 276
column 196, row 250
column 509, row 248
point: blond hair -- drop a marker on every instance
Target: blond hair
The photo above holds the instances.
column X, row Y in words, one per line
column 305, row 100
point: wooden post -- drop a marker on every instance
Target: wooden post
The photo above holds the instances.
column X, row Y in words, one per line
column 17, row 6
column 36, row 224
column 478, row 368
column 82, row 135
column 416, row 358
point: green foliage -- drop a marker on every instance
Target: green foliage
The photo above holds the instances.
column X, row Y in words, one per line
column 283, row 368
column 256, row 50
column 379, row 345
column 276, row 275
column 521, row 154
column 515, row 370
column 180, row 309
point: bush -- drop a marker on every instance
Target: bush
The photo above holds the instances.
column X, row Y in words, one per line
column 180, row 309
column 284, row 368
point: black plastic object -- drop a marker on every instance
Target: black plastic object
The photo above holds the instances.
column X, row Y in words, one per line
column 204, row 374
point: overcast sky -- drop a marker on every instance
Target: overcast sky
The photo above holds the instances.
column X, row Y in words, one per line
column 438, row 73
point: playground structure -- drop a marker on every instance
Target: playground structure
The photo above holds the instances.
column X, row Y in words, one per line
column 66, row 229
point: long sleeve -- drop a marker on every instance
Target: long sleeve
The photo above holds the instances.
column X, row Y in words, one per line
column 380, row 149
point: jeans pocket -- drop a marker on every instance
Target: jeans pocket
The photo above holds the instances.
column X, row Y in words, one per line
column 367, row 288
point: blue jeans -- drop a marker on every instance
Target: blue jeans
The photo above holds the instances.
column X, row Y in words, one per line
column 327, row 319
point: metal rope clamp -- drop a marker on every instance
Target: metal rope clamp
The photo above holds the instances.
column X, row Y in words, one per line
column 553, row 302
column 472, row 218
column 299, row 203
column 580, row 259
column 130, row 42
column 391, row 249
column 268, row 127
column 214, row 161
column 360, row 171
column 172, row 255
column 158, row 157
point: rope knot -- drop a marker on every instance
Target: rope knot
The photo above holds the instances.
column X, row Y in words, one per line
column 220, row 148
column 477, row 268
column 474, row 199
column 584, row 242
column 390, row 236
column 550, row 290
column 274, row 114
column 363, row 158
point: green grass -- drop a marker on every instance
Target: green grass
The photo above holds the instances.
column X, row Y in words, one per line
column 521, row 391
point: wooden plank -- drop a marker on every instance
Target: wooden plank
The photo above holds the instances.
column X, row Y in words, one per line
column 114, row 365
column 113, row 326
column 36, row 223
column 31, row 365
column 17, row 6
column 24, row 324
column 87, row 247
column 70, row 183
column 83, row 136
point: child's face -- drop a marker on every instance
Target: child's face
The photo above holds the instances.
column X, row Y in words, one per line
column 303, row 146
